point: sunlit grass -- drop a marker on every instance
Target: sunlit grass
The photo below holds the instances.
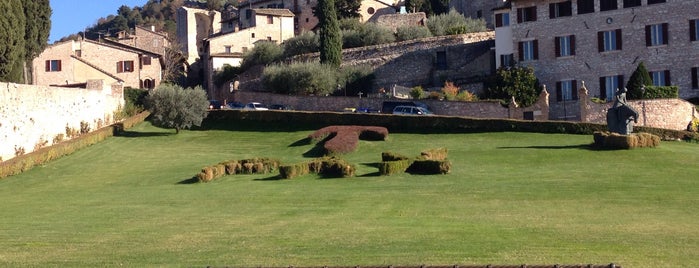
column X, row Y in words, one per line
column 511, row 198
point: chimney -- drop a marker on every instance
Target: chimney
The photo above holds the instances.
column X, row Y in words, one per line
column 152, row 28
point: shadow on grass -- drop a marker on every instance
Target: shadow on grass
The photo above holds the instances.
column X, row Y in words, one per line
column 136, row 134
column 302, row 142
column 271, row 178
column 581, row 146
column 191, row 180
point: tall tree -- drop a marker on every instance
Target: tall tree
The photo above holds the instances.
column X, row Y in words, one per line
column 12, row 30
column 348, row 8
column 638, row 79
column 36, row 34
column 330, row 34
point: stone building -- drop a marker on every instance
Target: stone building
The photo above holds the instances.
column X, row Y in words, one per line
column 75, row 62
column 145, row 38
column 477, row 9
column 600, row 42
column 193, row 26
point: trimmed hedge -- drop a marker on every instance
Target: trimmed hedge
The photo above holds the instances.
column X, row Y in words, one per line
column 232, row 167
column 25, row 162
column 431, row 161
column 331, row 167
column 661, row 92
column 610, row 140
column 345, row 139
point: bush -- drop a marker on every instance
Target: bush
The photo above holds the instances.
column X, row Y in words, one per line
column 134, row 100
column 405, row 33
column 292, row 171
column 434, row 154
column 429, row 167
column 612, row 141
column 394, row 167
column 661, row 92
column 226, row 74
column 308, row 78
column 519, row 82
column 306, row 42
column 344, row 139
column 465, row 95
column 232, row 167
column 325, row 166
column 450, row 90
column 367, row 34
column 417, row 93
column 262, row 54
column 454, row 23
column 390, row 156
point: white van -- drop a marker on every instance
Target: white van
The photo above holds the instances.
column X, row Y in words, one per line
column 413, row 110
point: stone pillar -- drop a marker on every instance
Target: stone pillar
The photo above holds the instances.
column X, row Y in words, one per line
column 584, row 101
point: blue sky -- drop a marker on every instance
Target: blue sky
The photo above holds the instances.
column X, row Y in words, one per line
column 72, row 16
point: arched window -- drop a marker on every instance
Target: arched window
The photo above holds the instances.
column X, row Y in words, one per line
column 149, row 84
column 370, row 10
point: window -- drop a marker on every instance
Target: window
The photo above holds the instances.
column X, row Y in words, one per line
column 562, row 9
column 693, row 30
column 78, row 53
column 528, row 50
column 695, row 78
column 608, row 86
column 502, row 19
column 506, row 60
column 656, row 34
column 605, row 5
column 566, row 90
column 53, row 65
column 609, row 40
column 125, row 66
column 148, row 83
column 248, row 13
column 370, row 10
column 565, row 46
column 270, row 20
column 145, row 60
column 269, row 38
column 586, row 6
column 632, row 3
column 441, row 60
column 526, row 14
column 252, row 35
column 650, row 2
column 479, row 14
column 227, row 49
column 660, row 78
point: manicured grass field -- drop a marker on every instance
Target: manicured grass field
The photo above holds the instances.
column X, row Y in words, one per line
column 511, row 198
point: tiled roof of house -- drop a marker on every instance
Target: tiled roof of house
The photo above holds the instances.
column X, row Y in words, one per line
column 97, row 68
column 155, row 32
column 122, row 46
column 274, row 12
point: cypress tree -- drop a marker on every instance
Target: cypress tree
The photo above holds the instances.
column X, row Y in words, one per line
column 38, row 16
column 330, row 35
column 12, row 24
column 638, row 79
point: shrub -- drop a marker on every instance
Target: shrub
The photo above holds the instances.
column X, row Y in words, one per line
column 308, row 78
column 394, row 167
column 262, row 54
column 292, row 171
column 661, row 92
column 226, row 74
column 519, row 82
column 429, row 167
column 639, row 78
column 232, row 167
column 465, row 95
column 417, row 93
column 344, row 139
column 367, row 34
column 390, row 156
column 610, row 140
column 454, row 23
column 306, row 42
column 134, row 100
column 450, row 90
column 434, row 154
column 405, row 33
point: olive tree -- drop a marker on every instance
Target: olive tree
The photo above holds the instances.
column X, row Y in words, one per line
column 175, row 107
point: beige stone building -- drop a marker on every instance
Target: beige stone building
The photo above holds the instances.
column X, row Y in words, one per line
column 600, row 42
column 75, row 62
column 146, row 39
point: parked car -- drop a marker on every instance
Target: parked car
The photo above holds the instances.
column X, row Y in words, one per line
column 366, row 110
column 215, row 105
column 279, row 107
column 387, row 106
column 255, row 106
column 411, row 110
column 235, row 105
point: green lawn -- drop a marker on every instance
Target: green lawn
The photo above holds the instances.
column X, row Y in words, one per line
column 511, row 198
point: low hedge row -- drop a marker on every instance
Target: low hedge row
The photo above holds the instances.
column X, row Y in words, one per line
column 422, row 124
column 326, row 166
column 610, row 140
column 25, row 162
column 431, row 161
column 232, row 167
column 345, row 139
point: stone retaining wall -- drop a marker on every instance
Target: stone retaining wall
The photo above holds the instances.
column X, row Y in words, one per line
column 32, row 116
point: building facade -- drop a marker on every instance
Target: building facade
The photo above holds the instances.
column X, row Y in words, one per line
column 75, row 62
column 477, row 9
column 600, row 42
column 146, row 39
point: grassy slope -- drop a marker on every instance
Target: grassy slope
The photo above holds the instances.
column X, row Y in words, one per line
column 511, row 198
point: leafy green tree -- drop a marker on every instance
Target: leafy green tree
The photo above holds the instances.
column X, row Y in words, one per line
column 405, row 33
column 417, row 93
column 306, row 42
column 519, row 82
column 330, row 35
column 355, row 79
column 175, row 107
column 262, row 53
column 348, row 8
column 367, row 34
column 305, row 78
column 12, row 46
column 227, row 74
column 454, row 23
column 638, row 79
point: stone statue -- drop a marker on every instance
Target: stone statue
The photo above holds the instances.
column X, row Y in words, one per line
column 621, row 117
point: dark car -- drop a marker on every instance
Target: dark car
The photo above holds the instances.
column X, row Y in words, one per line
column 366, row 110
column 279, row 107
column 388, row 106
column 235, row 105
column 215, row 105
